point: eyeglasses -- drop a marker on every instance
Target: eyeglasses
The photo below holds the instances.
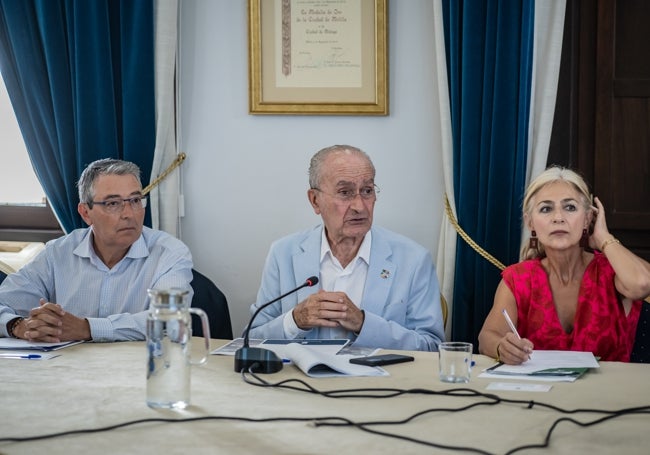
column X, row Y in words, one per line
column 347, row 195
column 117, row 205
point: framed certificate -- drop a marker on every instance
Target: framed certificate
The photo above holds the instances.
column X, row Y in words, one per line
column 318, row 57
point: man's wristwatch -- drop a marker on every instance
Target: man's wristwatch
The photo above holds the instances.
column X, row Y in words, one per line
column 11, row 326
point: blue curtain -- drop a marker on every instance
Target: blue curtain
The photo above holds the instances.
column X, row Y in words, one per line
column 489, row 58
column 80, row 76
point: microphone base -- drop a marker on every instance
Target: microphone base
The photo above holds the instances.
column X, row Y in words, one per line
column 261, row 360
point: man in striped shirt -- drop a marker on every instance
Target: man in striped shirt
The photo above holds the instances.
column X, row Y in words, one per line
column 92, row 283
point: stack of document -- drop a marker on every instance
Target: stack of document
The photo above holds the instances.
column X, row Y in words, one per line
column 17, row 344
column 559, row 366
column 14, row 348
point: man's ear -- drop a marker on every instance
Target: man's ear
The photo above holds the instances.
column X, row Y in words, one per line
column 82, row 209
column 313, row 200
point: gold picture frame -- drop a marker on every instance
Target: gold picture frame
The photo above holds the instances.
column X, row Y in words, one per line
column 315, row 57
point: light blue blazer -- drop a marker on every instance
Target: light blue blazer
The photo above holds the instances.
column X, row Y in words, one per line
column 401, row 297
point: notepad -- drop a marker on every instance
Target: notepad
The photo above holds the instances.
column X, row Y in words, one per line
column 546, row 366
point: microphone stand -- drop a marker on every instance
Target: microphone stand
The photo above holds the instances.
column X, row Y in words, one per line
column 260, row 360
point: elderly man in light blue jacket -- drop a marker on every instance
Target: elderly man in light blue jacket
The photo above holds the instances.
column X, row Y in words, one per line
column 376, row 288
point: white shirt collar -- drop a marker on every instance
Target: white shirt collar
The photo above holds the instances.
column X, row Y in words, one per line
column 363, row 253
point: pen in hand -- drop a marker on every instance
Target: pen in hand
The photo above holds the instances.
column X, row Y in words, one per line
column 511, row 325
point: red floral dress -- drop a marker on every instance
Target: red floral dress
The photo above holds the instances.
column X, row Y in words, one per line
column 600, row 325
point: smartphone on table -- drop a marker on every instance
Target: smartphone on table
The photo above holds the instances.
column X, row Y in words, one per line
column 381, row 359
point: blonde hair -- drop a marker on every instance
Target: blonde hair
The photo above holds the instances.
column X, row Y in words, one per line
column 551, row 175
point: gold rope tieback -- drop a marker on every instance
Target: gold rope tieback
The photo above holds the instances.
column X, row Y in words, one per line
column 468, row 239
column 177, row 162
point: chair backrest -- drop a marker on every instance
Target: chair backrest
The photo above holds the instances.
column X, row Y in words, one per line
column 445, row 309
column 641, row 348
column 5, row 269
column 210, row 299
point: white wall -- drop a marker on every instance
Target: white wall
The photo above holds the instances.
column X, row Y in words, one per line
column 245, row 177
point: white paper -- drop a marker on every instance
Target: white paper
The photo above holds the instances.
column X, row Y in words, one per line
column 322, row 346
column 25, row 345
column 518, row 387
column 26, row 355
column 358, row 351
column 525, row 377
column 231, row 347
column 544, row 360
column 318, row 364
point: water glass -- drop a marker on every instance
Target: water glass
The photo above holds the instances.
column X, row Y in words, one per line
column 455, row 361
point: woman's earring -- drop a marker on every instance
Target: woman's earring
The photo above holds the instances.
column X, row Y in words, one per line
column 584, row 240
column 532, row 243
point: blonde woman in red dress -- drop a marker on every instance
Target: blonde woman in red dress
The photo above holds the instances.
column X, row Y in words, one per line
column 573, row 290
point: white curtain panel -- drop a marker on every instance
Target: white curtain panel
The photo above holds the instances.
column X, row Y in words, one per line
column 165, row 198
column 446, row 259
column 547, row 52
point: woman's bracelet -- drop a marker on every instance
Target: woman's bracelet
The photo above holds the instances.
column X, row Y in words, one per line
column 608, row 242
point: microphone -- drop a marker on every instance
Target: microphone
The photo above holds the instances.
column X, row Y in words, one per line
column 260, row 360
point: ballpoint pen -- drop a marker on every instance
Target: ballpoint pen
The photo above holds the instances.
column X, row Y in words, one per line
column 510, row 324
column 19, row 356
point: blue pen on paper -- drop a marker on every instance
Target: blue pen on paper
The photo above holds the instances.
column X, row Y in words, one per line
column 20, row 356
